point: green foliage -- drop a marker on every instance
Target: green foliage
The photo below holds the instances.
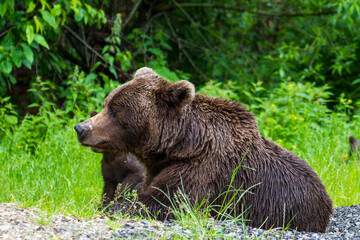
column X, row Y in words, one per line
column 112, row 52
column 153, row 50
column 219, row 89
column 41, row 156
column 30, row 27
column 58, row 175
column 252, row 43
column 82, row 92
column 294, row 105
column 8, row 117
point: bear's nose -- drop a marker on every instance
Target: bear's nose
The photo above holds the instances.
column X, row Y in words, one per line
column 79, row 129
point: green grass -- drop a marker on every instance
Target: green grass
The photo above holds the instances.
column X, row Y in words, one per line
column 58, row 176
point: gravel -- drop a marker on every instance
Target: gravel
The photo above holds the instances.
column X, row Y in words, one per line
column 20, row 223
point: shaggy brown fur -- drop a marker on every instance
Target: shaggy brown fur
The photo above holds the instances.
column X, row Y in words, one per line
column 190, row 140
column 116, row 169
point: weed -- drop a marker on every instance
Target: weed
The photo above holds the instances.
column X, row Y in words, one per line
column 44, row 219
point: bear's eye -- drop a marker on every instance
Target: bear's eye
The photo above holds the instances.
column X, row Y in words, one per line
column 111, row 112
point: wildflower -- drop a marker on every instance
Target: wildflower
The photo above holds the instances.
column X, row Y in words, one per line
column 280, row 140
column 294, row 117
column 19, row 147
column 273, row 105
column 302, row 119
column 294, row 147
column 349, row 101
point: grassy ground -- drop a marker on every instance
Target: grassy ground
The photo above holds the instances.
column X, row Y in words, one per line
column 58, row 176
column 326, row 150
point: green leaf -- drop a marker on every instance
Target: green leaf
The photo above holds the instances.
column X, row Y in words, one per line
column 38, row 25
column 48, row 18
column 97, row 64
column 44, row 4
column 282, row 73
column 29, row 33
column 12, row 79
column 356, row 81
column 56, row 11
column 26, row 63
column 7, row 42
column 91, row 77
column 33, row 105
column 6, row 67
column 11, row 119
column 32, row 90
column 11, row 4
column 3, row 8
column 41, row 40
column 105, row 49
column 111, row 61
column 31, row 7
column 113, row 71
column 28, row 52
column 3, row 55
column 17, row 56
column 5, row 99
column 85, row 16
column 80, row 15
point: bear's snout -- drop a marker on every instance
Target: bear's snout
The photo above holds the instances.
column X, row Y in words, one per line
column 79, row 130
column 82, row 129
column 86, row 135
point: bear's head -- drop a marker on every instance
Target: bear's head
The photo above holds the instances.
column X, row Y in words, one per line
column 131, row 113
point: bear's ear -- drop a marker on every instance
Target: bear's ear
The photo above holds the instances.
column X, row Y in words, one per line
column 145, row 72
column 176, row 94
column 93, row 113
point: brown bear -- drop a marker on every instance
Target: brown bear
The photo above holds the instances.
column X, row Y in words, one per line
column 116, row 169
column 194, row 142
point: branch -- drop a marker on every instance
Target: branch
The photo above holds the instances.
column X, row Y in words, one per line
column 194, row 24
column 133, row 10
column 93, row 50
column 4, row 33
column 238, row 9
column 184, row 51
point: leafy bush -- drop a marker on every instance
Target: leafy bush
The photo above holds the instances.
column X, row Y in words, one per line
column 293, row 106
column 30, row 30
column 8, row 117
